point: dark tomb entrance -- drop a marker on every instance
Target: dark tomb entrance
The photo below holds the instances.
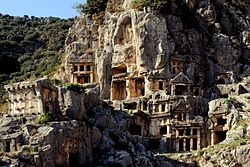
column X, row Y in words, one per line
column 220, row 136
column 187, row 144
column 135, row 129
column 153, row 144
column 163, row 130
column 74, row 159
column 7, row 146
column 181, row 144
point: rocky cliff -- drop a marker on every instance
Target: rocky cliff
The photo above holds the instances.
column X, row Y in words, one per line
column 214, row 34
column 218, row 31
column 99, row 137
column 145, row 40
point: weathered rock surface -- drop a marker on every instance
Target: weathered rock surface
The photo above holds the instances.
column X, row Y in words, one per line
column 98, row 137
column 217, row 30
column 234, row 150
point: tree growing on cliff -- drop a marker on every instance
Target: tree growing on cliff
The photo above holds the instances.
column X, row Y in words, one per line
column 91, row 7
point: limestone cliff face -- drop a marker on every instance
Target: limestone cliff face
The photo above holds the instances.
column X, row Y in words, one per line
column 218, row 31
column 209, row 42
column 136, row 38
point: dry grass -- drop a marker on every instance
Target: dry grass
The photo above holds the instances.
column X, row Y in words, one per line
column 3, row 107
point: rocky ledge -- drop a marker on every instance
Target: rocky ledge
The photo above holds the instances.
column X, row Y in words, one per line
column 101, row 138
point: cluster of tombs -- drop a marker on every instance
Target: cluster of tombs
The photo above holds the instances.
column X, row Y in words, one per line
column 34, row 97
column 170, row 108
column 170, row 111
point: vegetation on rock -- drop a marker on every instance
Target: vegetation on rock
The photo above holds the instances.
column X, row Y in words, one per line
column 156, row 5
column 45, row 118
column 30, row 47
column 92, row 6
column 76, row 87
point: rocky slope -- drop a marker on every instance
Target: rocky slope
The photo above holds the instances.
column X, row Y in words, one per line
column 101, row 137
column 98, row 135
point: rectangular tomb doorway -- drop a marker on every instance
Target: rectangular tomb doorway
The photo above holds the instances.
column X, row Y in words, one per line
column 181, row 144
column 220, row 136
column 83, row 79
column 119, row 90
column 187, row 144
column 140, row 87
column 181, row 89
column 195, row 144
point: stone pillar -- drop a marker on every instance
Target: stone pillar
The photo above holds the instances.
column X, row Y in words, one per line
column 184, row 144
column 212, row 137
column 198, row 139
column 71, row 79
column 191, row 141
column 191, row 144
column 91, row 77
column 78, row 68
column 160, row 107
column 153, row 108
column 127, row 88
column 40, row 107
column 177, row 140
column 172, row 89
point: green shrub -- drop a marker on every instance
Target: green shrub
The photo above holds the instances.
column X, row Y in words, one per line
column 200, row 152
column 91, row 7
column 45, row 118
column 57, row 81
column 76, row 87
column 27, row 151
column 145, row 98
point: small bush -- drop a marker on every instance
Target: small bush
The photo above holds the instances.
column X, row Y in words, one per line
column 76, row 87
column 232, row 98
column 200, row 152
column 27, row 152
column 57, row 81
column 45, row 118
column 91, row 7
column 145, row 98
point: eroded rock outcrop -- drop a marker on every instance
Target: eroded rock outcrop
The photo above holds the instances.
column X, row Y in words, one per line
column 98, row 137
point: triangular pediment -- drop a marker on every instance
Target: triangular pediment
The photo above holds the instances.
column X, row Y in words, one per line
column 180, row 105
column 181, row 78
